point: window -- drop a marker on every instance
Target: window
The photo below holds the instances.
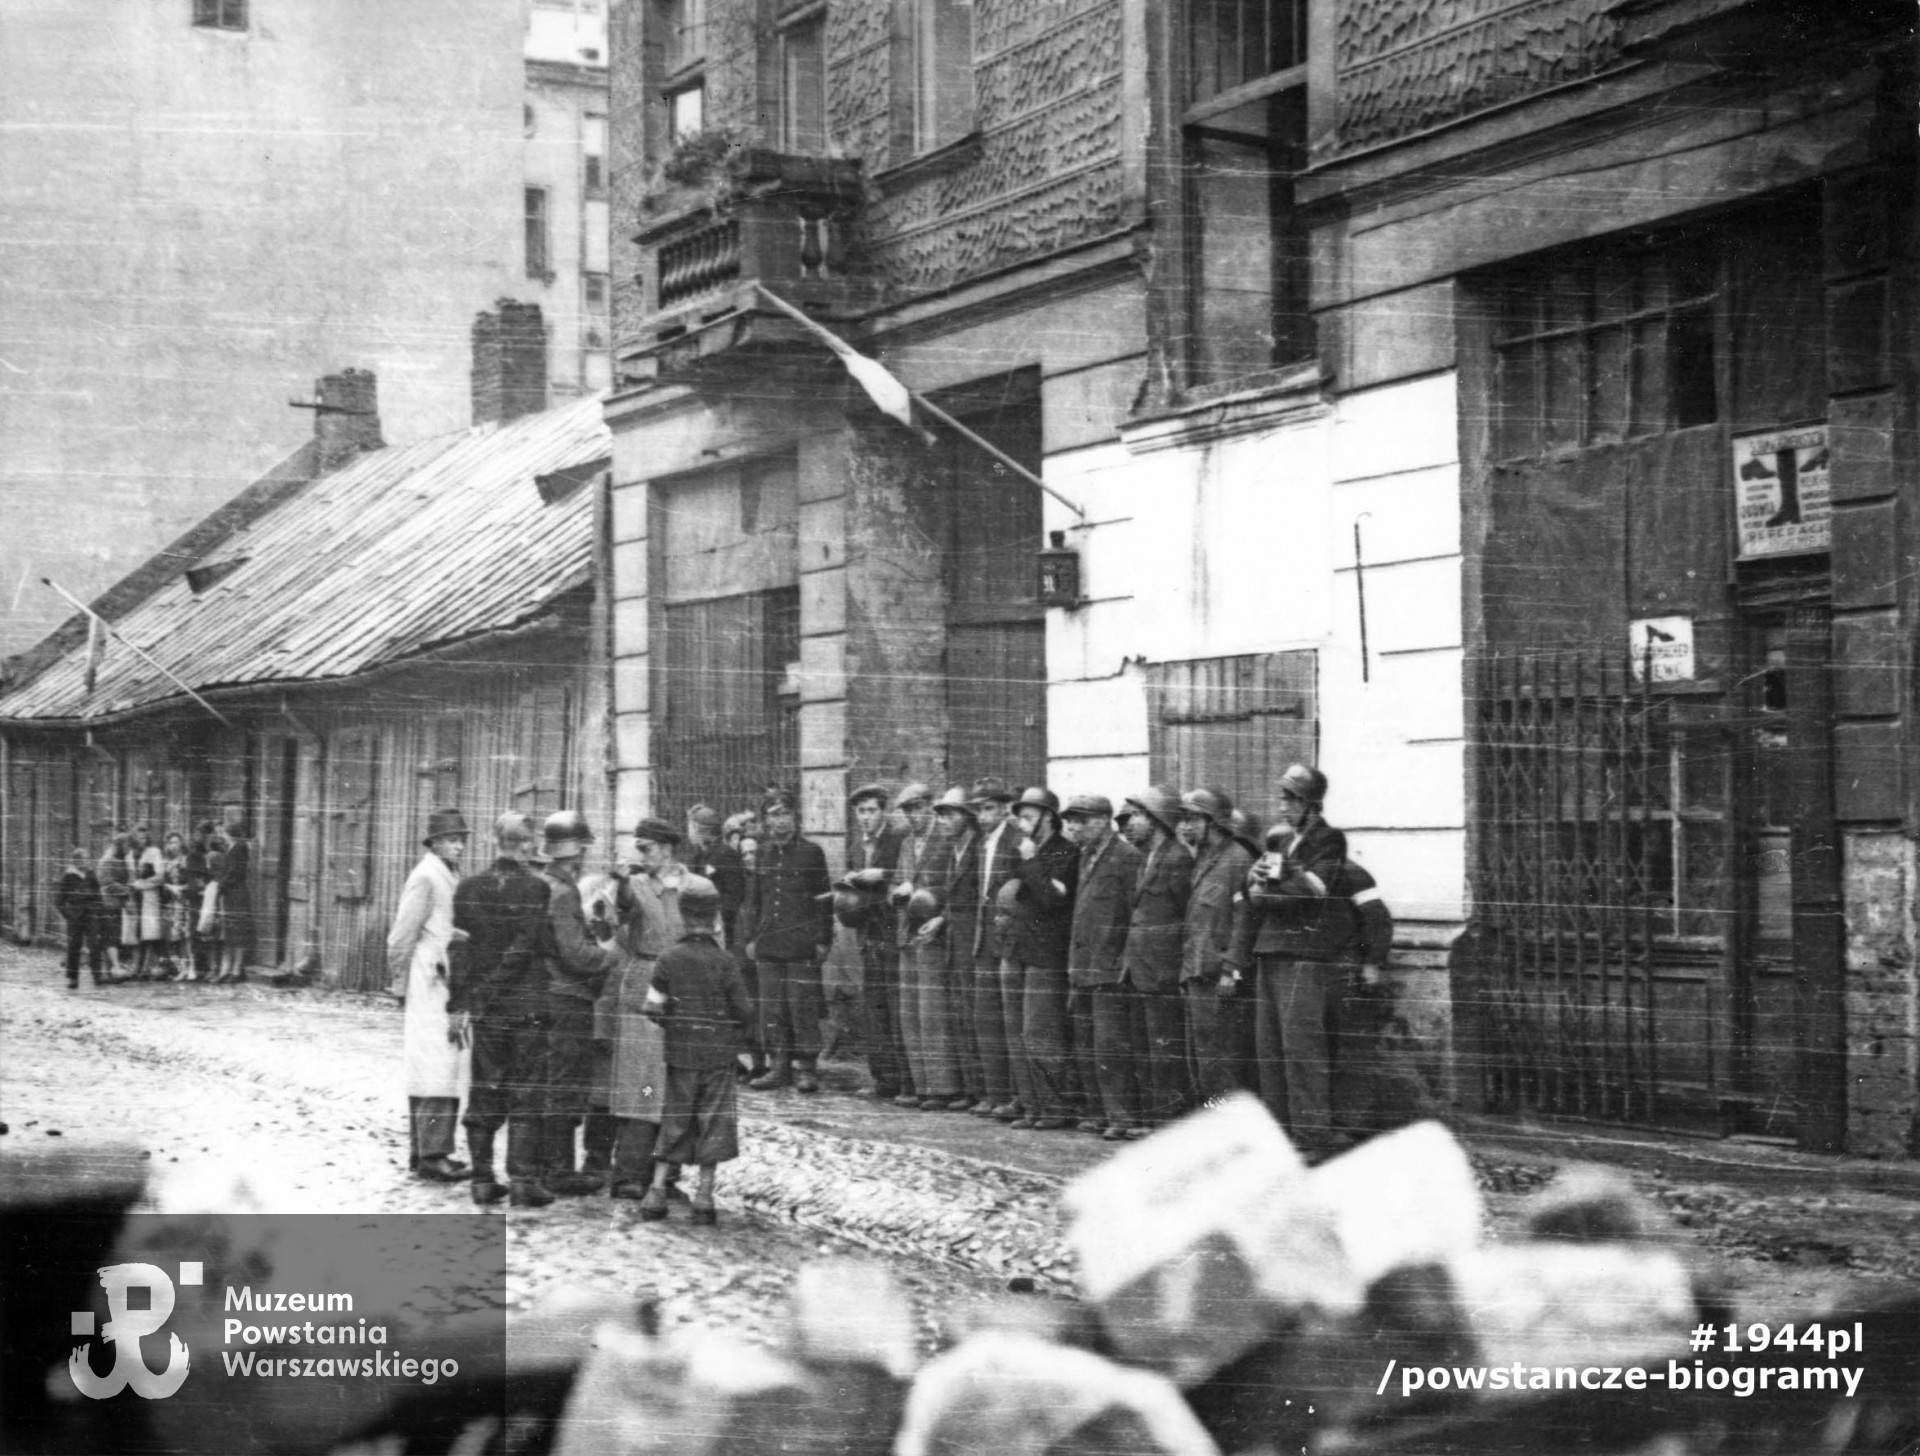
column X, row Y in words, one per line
column 539, row 263
column 934, row 54
column 1234, row 722
column 680, row 27
column 596, row 290
column 1607, row 345
column 220, row 14
column 1243, row 137
column 803, row 86
column 593, row 145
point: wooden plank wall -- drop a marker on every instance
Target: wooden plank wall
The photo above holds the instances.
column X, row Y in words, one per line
column 338, row 781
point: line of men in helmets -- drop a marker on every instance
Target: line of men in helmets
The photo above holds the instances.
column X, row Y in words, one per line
column 595, row 1018
column 1041, row 966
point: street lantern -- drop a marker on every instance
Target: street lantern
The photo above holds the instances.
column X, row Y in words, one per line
column 1059, row 573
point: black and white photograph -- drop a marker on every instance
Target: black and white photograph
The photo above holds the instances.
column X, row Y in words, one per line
column 960, row 727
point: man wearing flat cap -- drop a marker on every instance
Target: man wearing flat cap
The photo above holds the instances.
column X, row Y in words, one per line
column 787, row 923
column 996, row 1006
column 496, row 983
column 707, row 854
column 636, row 1082
column 918, row 873
column 419, row 947
column 872, row 856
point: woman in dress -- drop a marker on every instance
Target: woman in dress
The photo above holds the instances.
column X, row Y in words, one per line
column 146, row 869
column 114, row 894
column 177, row 907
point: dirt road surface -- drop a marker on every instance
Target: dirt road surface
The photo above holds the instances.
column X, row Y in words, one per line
column 295, row 1094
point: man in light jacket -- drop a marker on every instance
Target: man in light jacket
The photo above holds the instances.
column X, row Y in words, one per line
column 418, row 948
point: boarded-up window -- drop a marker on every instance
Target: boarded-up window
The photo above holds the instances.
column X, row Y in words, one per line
column 732, row 715
column 1234, row 723
column 354, row 764
column 440, row 763
column 302, row 844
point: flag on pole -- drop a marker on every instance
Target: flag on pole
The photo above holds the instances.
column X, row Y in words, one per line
column 889, row 395
column 96, row 649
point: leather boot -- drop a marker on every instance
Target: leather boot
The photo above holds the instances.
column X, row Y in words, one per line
column 560, row 1176
column 603, row 1130
column 525, row 1145
column 487, row 1189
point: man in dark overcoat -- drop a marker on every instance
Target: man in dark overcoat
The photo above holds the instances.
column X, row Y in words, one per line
column 787, row 923
column 1219, row 1018
column 1042, row 926
column 1108, row 1034
column 1156, row 930
column 497, row 990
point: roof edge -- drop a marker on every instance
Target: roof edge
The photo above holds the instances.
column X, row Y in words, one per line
column 254, row 501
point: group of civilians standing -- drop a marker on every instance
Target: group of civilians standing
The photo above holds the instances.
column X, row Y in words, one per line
column 181, row 909
column 1073, row 968
column 1052, row 967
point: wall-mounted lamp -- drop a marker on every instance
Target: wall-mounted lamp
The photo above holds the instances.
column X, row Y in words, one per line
column 1059, row 573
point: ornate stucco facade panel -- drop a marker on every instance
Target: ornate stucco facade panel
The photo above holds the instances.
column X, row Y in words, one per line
column 1406, row 67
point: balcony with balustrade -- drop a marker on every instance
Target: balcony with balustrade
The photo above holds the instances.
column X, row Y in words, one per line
column 764, row 218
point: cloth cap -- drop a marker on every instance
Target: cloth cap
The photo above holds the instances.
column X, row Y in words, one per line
column 1088, row 806
column 913, row 794
column 779, row 799
column 705, row 815
column 957, row 801
column 991, row 790
column 737, row 823
column 698, row 894
column 876, row 792
column 658, row 831
column 513, row 827
column 444, row 823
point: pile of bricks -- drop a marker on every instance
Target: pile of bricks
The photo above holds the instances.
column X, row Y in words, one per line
column 1237, row 1301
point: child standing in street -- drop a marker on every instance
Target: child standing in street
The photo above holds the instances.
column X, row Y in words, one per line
column 699, row 999
column 78, row 900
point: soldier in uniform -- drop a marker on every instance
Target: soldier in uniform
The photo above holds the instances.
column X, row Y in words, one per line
column 1297, row 931
column 788, row 923
column 576, row 967
column 497, row 990
column 1219, row 1027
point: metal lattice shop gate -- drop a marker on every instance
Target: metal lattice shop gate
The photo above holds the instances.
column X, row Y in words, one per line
column 1619, row 973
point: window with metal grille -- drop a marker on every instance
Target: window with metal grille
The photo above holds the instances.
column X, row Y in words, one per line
column 1243, row 134
column 1607, row 344
column 220, row 14
column 539, row 256
column 1233, row 723
column 593, row 145
column 732, row 715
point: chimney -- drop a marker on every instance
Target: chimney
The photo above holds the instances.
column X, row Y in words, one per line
column 509, row 362
column 347, row 420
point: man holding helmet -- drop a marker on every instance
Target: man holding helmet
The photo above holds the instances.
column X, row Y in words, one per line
column 1298, row 928
column 1219, row 1029
column 861, row 903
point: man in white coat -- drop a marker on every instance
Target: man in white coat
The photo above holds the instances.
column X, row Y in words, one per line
column 436, row 1043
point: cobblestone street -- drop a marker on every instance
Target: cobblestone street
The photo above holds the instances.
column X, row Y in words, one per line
column 255, row 1097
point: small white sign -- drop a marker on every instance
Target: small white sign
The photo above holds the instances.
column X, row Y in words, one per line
column 1664, row 644
column 1781, row 494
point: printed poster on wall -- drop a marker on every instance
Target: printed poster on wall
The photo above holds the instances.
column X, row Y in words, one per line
column 1780, row 492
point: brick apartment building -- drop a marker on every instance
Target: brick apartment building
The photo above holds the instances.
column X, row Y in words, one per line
column 1507, row 402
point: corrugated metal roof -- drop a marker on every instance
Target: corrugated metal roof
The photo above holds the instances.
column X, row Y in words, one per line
column 404, row 549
